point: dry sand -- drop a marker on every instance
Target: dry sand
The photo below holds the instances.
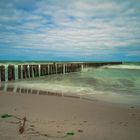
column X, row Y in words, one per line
column 51, row 118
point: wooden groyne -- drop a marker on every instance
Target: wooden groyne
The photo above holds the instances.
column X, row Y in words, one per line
column 9, row 72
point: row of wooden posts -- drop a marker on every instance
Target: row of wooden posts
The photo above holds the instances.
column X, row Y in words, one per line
column 24, row 71
column 15, row 72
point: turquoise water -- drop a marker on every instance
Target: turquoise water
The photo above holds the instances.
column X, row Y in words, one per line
column 116, row 83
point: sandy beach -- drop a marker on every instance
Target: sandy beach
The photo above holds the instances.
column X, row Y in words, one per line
column 63, row 118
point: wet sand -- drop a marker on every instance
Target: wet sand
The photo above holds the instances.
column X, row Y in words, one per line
column 63, row 118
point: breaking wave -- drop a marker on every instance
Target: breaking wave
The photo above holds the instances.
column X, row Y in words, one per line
column 135, row 67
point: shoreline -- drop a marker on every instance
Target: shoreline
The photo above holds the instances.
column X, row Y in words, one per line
column 57, row 116
column 13, row 89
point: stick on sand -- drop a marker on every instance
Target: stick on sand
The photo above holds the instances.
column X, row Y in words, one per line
column 22, row 126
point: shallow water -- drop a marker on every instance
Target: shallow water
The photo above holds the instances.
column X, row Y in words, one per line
column 116, row 84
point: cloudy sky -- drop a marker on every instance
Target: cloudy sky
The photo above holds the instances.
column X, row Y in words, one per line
column 86, row 30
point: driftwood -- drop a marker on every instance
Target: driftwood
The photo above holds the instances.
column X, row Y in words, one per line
column 22, row 125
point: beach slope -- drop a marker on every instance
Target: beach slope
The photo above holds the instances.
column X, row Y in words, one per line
column 63, row 118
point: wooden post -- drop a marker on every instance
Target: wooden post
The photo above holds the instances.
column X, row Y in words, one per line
column 28, row 71
column 35, row 70
column 11, row 72
column 16, row 72
column 44, row 69
column 0, row 73
column 21, row 71
column 32, row 70
column 56, row 68
column 63, row 68
column 48, row 66
column 82, row 67
column 24, row 72
column 39, row 70
column 6, row 72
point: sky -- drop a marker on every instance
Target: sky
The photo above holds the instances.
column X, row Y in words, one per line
column 70, row 30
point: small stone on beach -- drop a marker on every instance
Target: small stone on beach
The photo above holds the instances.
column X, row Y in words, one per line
column 58, row 131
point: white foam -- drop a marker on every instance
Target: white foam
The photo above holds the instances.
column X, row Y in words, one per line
column 122, row 67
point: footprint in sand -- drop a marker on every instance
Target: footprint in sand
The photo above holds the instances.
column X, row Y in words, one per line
column 132, row 107
column 125, row 124
column 59, row 132
column 32, row 125
column 80, row 131
column 133, row 114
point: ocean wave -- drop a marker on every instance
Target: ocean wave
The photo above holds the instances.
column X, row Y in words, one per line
column 136, row 67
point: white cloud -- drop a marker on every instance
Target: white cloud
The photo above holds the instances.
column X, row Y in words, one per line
column 85, row 25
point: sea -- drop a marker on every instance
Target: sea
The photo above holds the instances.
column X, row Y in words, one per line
column 118, row 84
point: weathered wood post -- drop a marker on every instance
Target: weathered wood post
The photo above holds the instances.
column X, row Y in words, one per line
column 64, row 68
column 11, row 72
column 0, row 73
column 31, row 71
column 79, row 67
column 56, row 68
column 6, row 72
column 19, row 71
column 74, row 67
column 39, row 70
column 51, row 68
column 35, row 70
column 59, row 68
column 42, row 70
column 25, row 72
column 68, row 68
column 82, row 67
column 48, row 69
column 16, row 72
column 28, row 71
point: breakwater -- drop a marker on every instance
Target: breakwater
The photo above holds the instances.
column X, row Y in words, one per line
column 11, row 71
